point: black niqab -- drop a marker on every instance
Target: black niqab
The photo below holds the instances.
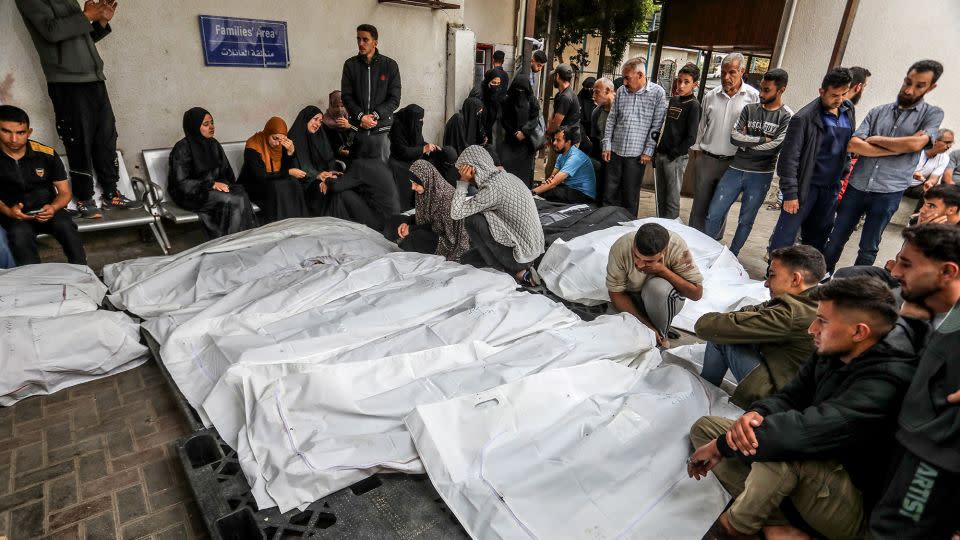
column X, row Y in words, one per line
column 519, row 107
column 408, row 126
column 204, row 152
column 466, row 127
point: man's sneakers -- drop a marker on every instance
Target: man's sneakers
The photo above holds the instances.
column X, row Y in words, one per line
column 117, row 200
column 88, row 209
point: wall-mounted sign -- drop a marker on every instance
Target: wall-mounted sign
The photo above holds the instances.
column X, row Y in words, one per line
column 230, row 41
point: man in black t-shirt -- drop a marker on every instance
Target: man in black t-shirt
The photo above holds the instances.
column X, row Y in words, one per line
column 566, row 109
column 33, row 192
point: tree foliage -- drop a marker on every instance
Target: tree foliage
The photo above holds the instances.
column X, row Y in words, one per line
column 615, row 21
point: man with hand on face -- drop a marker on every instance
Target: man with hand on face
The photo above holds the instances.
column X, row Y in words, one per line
column 923, row 494
column 817, row 449
column 941, row 204
column 574, row 180
column 34, row 191
column 631, row 134
column 765, row 345
column 650, row 273
column 889, row 141
column 370, row 88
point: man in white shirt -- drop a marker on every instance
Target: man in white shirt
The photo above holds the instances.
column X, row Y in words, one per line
column 713, row 150
column 931, row 165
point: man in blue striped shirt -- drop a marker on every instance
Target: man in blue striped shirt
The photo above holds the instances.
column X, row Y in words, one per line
column 630, row 138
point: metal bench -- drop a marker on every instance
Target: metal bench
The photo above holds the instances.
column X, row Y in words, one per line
column 157, row 163
column 117, row 218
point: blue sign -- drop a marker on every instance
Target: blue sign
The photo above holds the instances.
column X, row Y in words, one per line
column 229, row 41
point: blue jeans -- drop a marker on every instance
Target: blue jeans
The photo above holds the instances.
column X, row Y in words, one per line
column 6, row 257
column 739, row 359
column 813, row 221
column 878, row 207
column 754, row 187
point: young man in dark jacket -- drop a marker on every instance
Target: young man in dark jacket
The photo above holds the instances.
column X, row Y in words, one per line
column 65, row 37
column 923, row 495
column 812, row 163
column 815, row 449
column 679, row 134
column 370, row 87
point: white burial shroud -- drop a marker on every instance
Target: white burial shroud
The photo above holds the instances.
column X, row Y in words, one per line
column 53, row 335
column 576, row 270
column 589, row 451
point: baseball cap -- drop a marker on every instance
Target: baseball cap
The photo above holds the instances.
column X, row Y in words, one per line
column 565, row 71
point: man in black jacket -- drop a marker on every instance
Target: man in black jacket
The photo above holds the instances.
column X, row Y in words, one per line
column 370, row 87
column 815, row 450
column 65, row 37
column 812, row 164
column 923, row 495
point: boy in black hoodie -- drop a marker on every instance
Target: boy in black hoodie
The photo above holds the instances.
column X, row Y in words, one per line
column 923, row 495
column 813, row 450
column 679, row 134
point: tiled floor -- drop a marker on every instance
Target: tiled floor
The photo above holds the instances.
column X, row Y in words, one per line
column 96, row 461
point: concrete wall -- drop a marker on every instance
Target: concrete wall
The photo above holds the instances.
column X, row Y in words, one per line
column 493, row 22
column 155, row 70
column 887, row 36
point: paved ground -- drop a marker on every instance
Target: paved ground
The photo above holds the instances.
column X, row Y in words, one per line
column 96, row 461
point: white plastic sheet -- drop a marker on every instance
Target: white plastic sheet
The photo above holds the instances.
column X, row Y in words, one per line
column 48, row 290
column 576, row 270
column 41, row 355
column 152, row 286
column 590, row 451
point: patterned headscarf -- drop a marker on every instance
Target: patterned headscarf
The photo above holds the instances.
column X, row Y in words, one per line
column 433, row 207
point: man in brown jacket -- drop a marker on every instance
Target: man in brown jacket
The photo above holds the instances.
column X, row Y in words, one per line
column 764, row 345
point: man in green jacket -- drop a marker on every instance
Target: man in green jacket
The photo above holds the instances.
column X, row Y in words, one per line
column 65, row 36
column 764, row 345
column 812, row 456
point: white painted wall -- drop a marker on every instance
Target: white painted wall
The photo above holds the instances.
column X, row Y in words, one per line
column 493, row 21
column 155, row 70
column 887, row 36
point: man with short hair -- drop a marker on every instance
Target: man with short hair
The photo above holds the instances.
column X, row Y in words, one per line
column 603, row 96
column 858, row 83
column 889, row 142
column 631, row 134
column 537, row 62
column 573, row 180
column 758, row 133
column 566, row 108
column 713, row 151
column 813, row 162
column 649, row 274
column 34, row 192
column 941, row 204
column 922, row 496
column 817, row 448
column 679, row 134
column 497, row 67
column 370, row 89
column 931, row 166
column 766, row 344
column 65, row 36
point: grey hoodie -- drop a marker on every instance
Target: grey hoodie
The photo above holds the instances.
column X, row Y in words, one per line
column 65, row 40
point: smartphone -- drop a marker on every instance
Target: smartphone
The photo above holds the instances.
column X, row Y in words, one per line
column 33, row 212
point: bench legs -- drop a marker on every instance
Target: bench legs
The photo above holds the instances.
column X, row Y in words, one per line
column 161, row 235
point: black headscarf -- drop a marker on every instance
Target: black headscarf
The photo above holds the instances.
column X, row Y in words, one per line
column 205, row 153
column 313, row 149
column 408, row 126
column 466, row 127
column 519, row 106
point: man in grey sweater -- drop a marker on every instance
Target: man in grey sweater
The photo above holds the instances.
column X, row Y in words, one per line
column 65, row 36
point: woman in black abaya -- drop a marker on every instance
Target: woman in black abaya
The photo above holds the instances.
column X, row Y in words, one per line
column 520, row 118
column 406, row 146
column 266, row 173
column 315, row 162
column 465, row 128
column 201, row 180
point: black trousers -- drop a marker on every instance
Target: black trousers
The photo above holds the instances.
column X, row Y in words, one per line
column 22, row 237
column 566, row 194
column 86, row 124
column 624, row 179
column 921, row 501
column 495, row 254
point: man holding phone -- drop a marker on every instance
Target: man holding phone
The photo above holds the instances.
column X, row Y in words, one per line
column 33, row 192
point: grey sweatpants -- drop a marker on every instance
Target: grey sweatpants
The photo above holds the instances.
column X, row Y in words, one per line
column 669, row 179
column 659, row 302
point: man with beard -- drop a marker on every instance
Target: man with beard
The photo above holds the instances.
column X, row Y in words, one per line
column 566, row 108
column 923, row 494
column 858, row 84
column 889, row 142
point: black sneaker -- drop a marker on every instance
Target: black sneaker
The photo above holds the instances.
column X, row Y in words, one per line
column 117, row 200
column 88, row 209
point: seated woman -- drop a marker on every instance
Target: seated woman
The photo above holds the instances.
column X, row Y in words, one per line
column 366, row 191
column 201, row 180
column 465, row 128
column 501, row 218
column 519, row 117
column 336, row 125
column 266, row 173
column 431, row 229
column 406, row 146
column 314, row 162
